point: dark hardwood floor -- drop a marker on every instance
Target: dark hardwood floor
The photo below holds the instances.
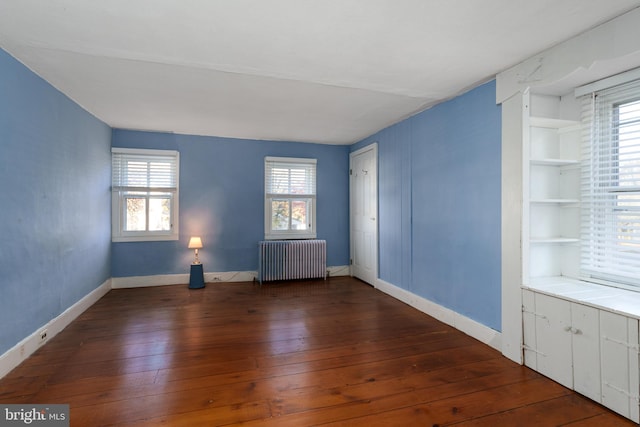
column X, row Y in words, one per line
column 285, row 354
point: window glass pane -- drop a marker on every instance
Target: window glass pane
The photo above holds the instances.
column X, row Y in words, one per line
column 280, row 215
column 136, row 214
column 159, row 214
column 627, row 167
column 628, row 144
column 299, row 214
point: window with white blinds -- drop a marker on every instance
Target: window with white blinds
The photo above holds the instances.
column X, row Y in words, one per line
column 290, row 196
column 144, row 194
column 610, row 185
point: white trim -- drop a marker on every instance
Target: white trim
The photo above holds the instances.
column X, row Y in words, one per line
column 144, row 151
column 25, row 348
column 209, row 278
column 464, row 324
column 365, row 149
column 602, row 51
column 514, row 115
column 338, row 270
column 609, row 82
column 291, row 159
column 148, row 281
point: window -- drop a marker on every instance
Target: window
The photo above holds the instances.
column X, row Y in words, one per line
column 290, row 198
column 611, row 186
column 144, row 195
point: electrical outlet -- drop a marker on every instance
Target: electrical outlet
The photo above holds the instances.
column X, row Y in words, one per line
column 43, row 336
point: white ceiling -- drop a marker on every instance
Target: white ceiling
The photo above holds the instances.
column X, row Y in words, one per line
column 327, row 71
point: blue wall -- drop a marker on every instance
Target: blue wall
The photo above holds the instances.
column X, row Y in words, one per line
column 55, row 169
column 222, row 200
column 439, row 204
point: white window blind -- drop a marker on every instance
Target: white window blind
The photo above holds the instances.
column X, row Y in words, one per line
column 143, row 171
column 290, row 176
column 290, row 195
column 610, row 185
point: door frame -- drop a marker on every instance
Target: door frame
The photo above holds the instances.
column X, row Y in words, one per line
column 374, row 148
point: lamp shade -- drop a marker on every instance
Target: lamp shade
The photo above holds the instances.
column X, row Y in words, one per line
column 195, row 243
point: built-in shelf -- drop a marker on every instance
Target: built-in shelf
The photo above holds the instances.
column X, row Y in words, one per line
column 556, row 201
column 551, row 182
column 553, row 240
column 546, row 122
column 554, row 162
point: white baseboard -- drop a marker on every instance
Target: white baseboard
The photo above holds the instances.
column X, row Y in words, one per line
column 25, row 348
column 469, row 326
column 146, row 281
column 180, row 279
column 338, row 270
column 210, row 277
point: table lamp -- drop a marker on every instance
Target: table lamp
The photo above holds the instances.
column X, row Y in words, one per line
column 195, row 243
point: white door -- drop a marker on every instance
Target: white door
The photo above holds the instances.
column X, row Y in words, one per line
column 364, row 213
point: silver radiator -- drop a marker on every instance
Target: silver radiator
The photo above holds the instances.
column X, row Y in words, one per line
column 292, row 259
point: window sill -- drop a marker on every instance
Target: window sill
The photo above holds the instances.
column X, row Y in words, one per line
column 616, row 300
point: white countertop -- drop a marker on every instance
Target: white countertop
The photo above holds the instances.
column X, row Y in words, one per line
column 617, row 300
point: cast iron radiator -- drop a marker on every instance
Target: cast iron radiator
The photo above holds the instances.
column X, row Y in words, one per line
column 291, row 259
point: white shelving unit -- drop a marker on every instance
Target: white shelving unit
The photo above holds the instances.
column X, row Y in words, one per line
column 580, row 334
column 552, row 196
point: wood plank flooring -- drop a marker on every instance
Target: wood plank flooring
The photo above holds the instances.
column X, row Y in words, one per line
column 335, row 353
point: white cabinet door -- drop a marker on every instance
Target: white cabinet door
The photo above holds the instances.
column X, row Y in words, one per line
column 562, row 342
column 586, row 350
column 553, row 339
column 619, row 341
column 595, row 352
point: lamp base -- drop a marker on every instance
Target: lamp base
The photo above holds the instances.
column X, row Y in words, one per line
column 196, row 278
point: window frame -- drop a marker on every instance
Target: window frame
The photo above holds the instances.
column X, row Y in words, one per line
column 309, row 197
column 607, row 201
column 121, row 193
